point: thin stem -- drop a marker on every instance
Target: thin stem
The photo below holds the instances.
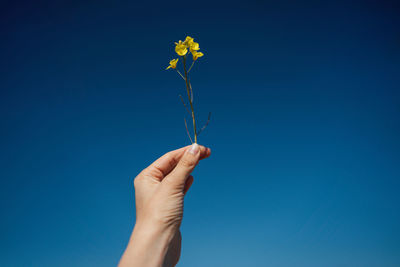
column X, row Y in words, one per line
column 180, row 74
column 205, row 125
column 191, row 92
column 183, row 102
column 191, row 66
column 187, row 130
column 190, row 99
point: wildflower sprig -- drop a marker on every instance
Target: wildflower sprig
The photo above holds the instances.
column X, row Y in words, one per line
column 183, row 49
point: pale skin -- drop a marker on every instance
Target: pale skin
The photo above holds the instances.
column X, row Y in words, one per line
column 159, row 194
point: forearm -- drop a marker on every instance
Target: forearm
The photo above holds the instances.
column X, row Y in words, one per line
column 147, row 247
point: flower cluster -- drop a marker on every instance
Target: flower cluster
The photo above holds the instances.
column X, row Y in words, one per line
column 182, row 49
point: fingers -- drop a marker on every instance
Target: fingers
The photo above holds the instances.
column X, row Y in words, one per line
column 186, row 164
column 165, row 164
column 188, row 184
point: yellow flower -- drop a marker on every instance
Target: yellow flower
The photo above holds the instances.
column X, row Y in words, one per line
column 172, row 64
column 196, row 55
column 188, row 41
column 194, row 47
column 180, row 48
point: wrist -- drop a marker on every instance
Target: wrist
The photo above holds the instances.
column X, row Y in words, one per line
column 148, row 245
column 152, row 232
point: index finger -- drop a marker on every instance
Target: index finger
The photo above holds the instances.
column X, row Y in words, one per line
column 166, row 163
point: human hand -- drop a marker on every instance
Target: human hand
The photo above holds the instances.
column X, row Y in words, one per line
column 159, row 194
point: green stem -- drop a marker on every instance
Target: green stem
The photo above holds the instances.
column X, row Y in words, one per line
column 190, row 99
column 180, row 73
column 191, row 66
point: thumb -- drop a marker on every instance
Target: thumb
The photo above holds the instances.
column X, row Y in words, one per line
column 185, row 166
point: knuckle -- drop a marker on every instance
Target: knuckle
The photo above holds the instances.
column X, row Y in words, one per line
column 154, row 171
column 168, row 156
column 187, row 162
column 171, row 160
column 137, row 181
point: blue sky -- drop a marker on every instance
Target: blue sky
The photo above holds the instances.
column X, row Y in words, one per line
column 305, row 129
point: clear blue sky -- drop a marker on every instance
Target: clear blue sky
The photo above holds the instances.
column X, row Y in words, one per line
column 305, row 130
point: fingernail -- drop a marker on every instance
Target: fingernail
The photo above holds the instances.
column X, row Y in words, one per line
column 194, row 149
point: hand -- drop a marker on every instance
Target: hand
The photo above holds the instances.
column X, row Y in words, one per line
column 159, row 194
